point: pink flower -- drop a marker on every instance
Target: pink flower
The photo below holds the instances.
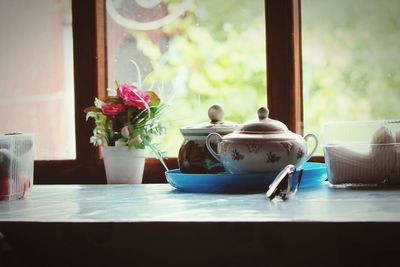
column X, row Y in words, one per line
column 132, row 96
column 112, row 109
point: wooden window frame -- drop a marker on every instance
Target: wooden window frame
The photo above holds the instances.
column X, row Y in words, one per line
column 284, row 64
column 284, row 74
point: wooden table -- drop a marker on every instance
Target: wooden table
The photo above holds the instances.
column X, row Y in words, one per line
column 110, row 225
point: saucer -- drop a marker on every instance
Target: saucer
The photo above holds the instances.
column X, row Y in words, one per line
column 313, row 175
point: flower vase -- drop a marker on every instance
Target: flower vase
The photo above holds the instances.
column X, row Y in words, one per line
column 123, row 165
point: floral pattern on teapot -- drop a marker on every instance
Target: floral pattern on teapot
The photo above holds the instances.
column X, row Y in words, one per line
column 236, row 155
column 272, row 157
column 254, row 148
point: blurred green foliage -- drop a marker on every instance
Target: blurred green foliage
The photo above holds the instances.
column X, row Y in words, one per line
column 351, row 61
column 216, row 53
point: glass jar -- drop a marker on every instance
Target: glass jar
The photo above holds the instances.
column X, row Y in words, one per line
column 193, row 154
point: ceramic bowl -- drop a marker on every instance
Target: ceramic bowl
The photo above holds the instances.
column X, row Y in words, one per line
column 193, row 155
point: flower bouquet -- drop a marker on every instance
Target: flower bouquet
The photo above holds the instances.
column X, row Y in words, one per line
column 127, row 117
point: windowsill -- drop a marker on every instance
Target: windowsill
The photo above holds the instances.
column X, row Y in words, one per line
column 163, row 203
column 112, row 225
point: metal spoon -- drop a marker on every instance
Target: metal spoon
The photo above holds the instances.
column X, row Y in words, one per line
column 281, row 186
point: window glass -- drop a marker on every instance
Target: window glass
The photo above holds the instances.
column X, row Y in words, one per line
column 351, row 61
column 201, row 53
column 36, row 74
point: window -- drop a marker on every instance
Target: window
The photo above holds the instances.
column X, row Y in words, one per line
column 350, row 61
column 85, row 168
column 36, row 70
column 90, row 80
column 366, row 70
column 200, row 57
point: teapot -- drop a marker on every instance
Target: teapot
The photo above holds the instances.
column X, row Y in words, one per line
column 194, row 156
column 263, row 145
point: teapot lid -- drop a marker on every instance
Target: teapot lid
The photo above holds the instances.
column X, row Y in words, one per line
column 263, row 125
column 216, row 124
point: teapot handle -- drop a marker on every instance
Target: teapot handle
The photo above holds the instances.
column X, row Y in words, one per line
column 313, row 136
column 208, row 145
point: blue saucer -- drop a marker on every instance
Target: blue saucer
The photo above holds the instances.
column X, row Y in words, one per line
column 313, row 175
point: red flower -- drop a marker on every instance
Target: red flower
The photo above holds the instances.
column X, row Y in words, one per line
column 132, row 96
column 113, row 109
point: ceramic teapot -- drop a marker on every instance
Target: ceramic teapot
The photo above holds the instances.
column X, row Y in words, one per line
column 264, row 145
column 193, row 155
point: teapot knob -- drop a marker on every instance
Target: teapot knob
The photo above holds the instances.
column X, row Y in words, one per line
column 216, row 113
column 262, row 113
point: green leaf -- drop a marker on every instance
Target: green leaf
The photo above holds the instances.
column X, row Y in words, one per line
column 111, row 92
column 98, row 103
column 121, row 142
column 160, row 155
column 116, row 83
column 154, row 98
column 138, row 74
column 111, row 99
column 91, row 108
column 96, row 140
column 91, row 114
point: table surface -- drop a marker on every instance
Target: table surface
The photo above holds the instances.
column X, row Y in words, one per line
column 163, row 203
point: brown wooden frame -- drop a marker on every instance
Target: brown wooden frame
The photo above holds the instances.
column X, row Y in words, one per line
column 283, row 31
column 284, row 62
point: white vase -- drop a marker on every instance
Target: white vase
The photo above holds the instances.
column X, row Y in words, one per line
column 123, row 165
